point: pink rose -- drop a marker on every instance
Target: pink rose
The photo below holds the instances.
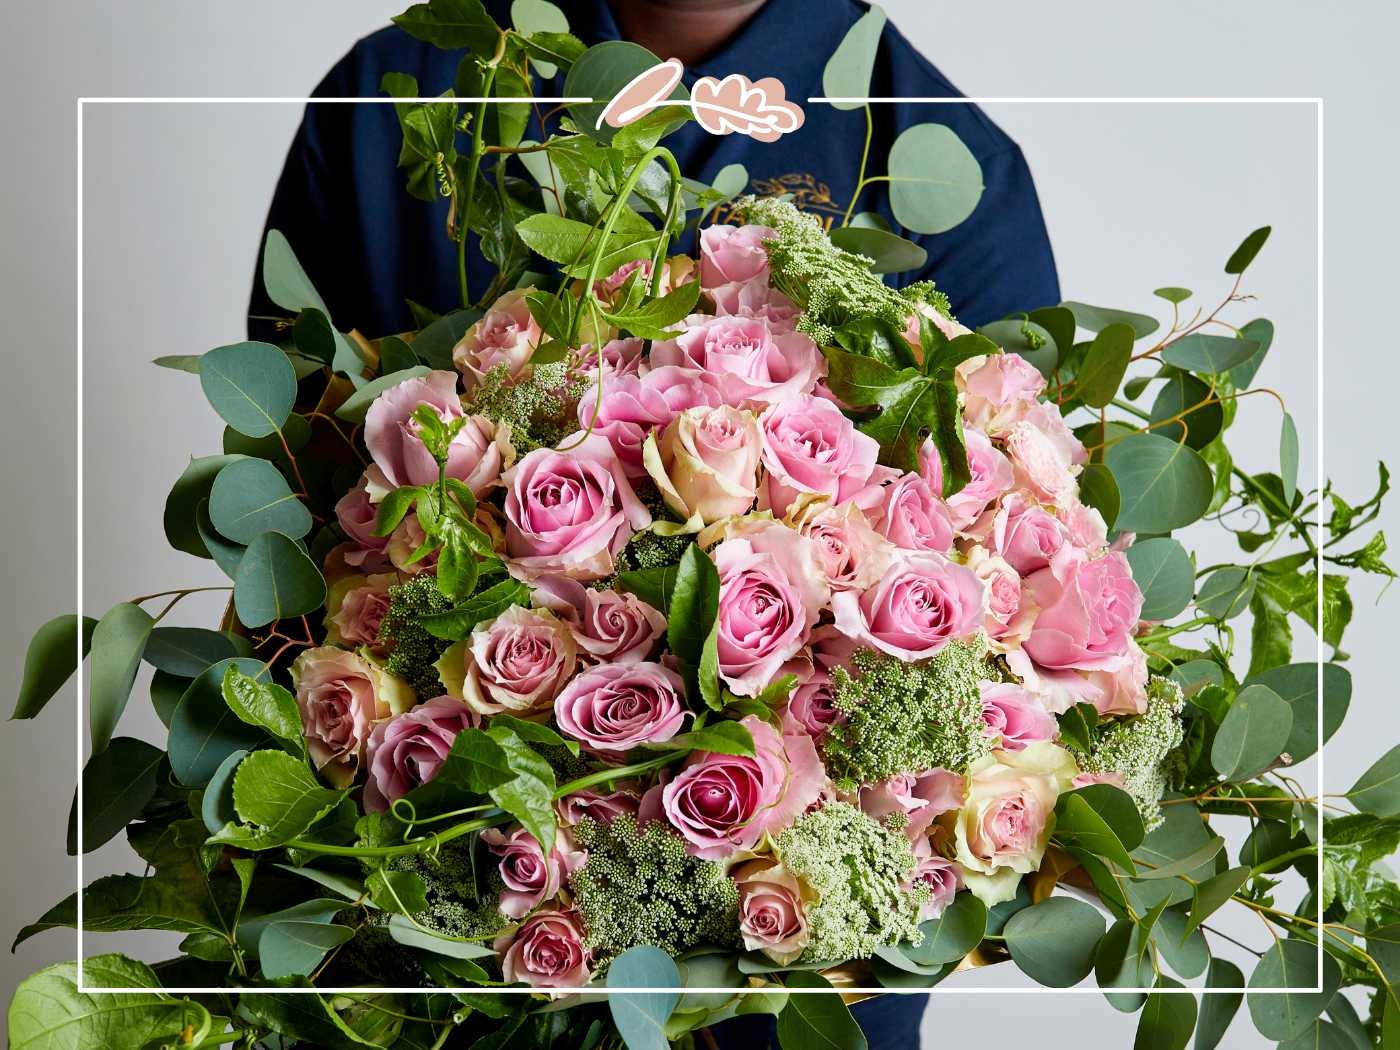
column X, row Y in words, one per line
column 545, row 951
column 569, row 512
column 505, row 337
column 1039, row 464
column 733, row 254
column 613, row 708
column 408, row 750
column 529, row 876
column 1013, row 717
column 681, row 388
column 853, row 555
column 517, row 663
column 341, row 696
column 950, row 328
column 1123, row 690
column 625, row 414
column 706, row 463
column 991, row 476
column 619, row 357
column 723, row 803
column 923, row 602
column 1088, row 610
column 608, row 626
column 592, row 805
column 1026, row 535
column 476, row 455
column 913, row 517
column 998, row 389
column 357, row 516
column 747, row 358
column 810, row 447
column 355, row 607
column 772, row 912
column 920, row 797
column 771, row 593
column 756, row 299
column 1009, row 614
column 811, row 707
column 939, row 875
column 1085, row 525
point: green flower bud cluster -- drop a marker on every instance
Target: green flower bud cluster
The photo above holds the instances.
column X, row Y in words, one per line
column 540, row 408
column 647, row 550
column 639, row 886
column 414, row 651
column 908, row 718
column 831, row 285
column 457, row 906
column 858, row 867
column 1137, row 749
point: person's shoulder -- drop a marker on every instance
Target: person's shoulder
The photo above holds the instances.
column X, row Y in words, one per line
column 902, row 71
column 389, row 50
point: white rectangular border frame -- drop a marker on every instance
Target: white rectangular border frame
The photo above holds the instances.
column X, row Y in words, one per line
column 592, row 992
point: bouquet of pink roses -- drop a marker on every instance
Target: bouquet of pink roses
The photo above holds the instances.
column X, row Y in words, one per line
column 733, row 623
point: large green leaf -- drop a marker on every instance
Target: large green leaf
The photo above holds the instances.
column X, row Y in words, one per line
column 816, row 1021
column 117, row 643
column 889, row 252
column 451, row 24
column 251, row 385
column 50, row 660
column 1123, row 960
column 530, row 17
column 276, row 792
column 203, row 731
column 1260, row 331
column 1164, row 485
column 1097, row 318
column 934, row 180
column 185, row 651
column 1167, row 1018
column 1218, row 1008
column 1201, row 352
column 952, row 934
column 181, row 506
column 1163, row 572
column 1188, row 401
column 1102, row 819
column 250, row 497
column 528, row 795
column 264, row 704
column 296, row 948
column 48, row 1012
column 847, row 71
column 641, row 1017
column 117, row 784
column 1377, row 791
column 1253, row 733
column 1104, row 365
column 1053, row 942
column 1297, row 684
column 1286, row 964
column 1227, row 592
column 285, row 280
column 276, row 580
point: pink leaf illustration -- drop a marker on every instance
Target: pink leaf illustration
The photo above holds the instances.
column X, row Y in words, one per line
column 642, row 94
column 757, row 109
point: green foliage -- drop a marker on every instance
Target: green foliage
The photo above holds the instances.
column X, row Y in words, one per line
column 848, row 70
column 641, row 1018
column 859, row 869
column 1053, row 942
column 1136, row 748
column 815, row 1019
column 117, row 784
column 907, row 718
column 934, row 180
column 414, row 649
column 50, row 661
column 204, row 730
column 691, row 629
column 641, row 887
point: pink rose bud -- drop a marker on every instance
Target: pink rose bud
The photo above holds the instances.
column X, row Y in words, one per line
column 408, row 750
column 1028, row 536
column 853, row 555
column 1014, row 717
column 545, row 951
column 998, row 390
column 357, row 516
column 530, row 878
column 613, row 708
column 922, row 603
column 939, row 875
column 355, row 607
column 591, row 805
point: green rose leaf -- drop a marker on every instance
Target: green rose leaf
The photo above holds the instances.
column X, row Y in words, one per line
column 1164, row 485
column 276, row 792
column 528, row 795
column 1104, row 365
column 641, row 1017
column 50, row 660
column 1201, row 352
column 1053, row 942
column 118, row 641
column 276, row 580
column 1252, row 734
column 889, row 252
column 723, row 738
column 934, row 180
column 250, row 497
column 847, row 71
column 1097, row 318
column 117, row 784
column 251, row 385
column 203, row 731
column 1290, row 963
column 817, row 1020
column 1164, row 573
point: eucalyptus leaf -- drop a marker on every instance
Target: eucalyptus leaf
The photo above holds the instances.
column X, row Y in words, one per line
column 186, row 651
column 1099, row 489
column 1288, row 457
column 815, row 1019
column 1242, row 256
column 848, row 70
column 182, row 505
column 118, row 641
column 1226, row 592
column 251, row 385
column 1164, row 573
column 954, row 933
column 203, row 731
column 1188, row 402
column 1164, row 486
column 1218, row 1008
column 934, row 180
column 1053, row 942
column 1288, row 964
column 276, row 580
column 889, row 252
column 1104, row 365
column 1297, row 684
column 295, row 948
column 1202, row 352
column 641, row 1017
column 1167, row 1018
column 1253, row 733
column 117, row 784
column 1097, row 318
column 600, row 73
column 250, row 497
column 50, row 661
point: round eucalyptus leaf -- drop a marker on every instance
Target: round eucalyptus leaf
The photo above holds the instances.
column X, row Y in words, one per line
column 731, row 179
column 1202, row 352
column 1163, row 572
column 1260, row 331
column 600, row 73
column 251, row 385
column 275, row 580
column 251, row 497
column 227, row 556
column 1164, row 485
column 1173, row 294
column 952, row 934
column 1178, row 400
column 847, row 71
column 1185, row 950
column 1097, row 318
column 216, row 808
column 641, row 1018
column 1290, row 964
column 1252, row 734
column 1226, row 592
column 180, row 518
column 1104, row 365
column 1030, row 340
column 1053, row 942
column 1297, row 685
column 934, row 180
column 890, row 252
column 203, row 731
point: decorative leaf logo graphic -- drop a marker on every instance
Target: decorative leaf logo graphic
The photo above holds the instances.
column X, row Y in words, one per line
column 642, row 94
column 759, row 110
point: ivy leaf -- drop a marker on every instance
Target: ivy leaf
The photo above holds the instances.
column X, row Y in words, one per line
column 264, row 704
column 276, row 792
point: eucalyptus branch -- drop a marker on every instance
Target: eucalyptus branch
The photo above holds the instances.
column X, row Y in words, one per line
column 860, row 175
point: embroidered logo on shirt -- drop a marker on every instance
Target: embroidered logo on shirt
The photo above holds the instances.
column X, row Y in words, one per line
column 733, row 104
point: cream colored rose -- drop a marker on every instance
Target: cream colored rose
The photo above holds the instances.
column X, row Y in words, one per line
column 1004, row 826
column 706, row 463
column 772, row 909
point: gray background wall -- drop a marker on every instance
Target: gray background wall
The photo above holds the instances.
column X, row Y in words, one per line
column 1136, row 196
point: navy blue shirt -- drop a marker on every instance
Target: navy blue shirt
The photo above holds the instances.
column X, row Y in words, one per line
column 368, row 246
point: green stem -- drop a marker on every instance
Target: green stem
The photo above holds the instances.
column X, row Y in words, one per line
column 604, row 776
column 860, row 176
column 1282, row 859
column 1127, row 406
column 1167, row 632
column 464, row 209
column 1264, row 495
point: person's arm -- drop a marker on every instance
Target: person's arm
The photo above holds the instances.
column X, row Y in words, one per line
column 1001, row 254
